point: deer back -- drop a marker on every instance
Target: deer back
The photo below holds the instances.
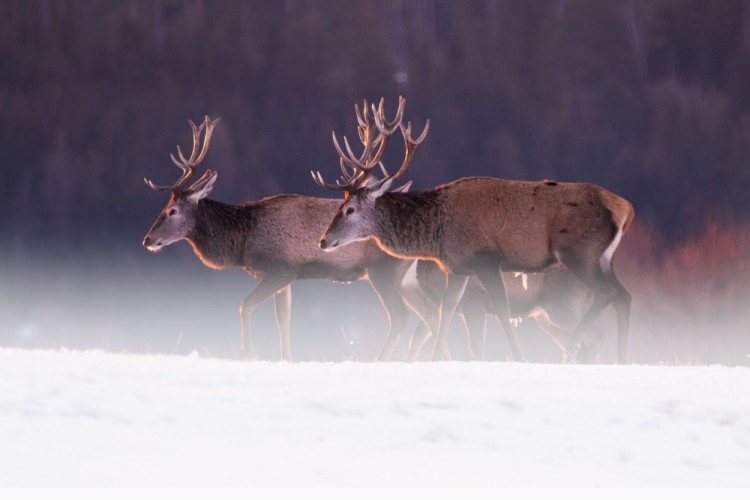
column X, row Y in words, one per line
column 279, row 235
column 524, row 223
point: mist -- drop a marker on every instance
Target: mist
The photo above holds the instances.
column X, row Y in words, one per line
column 94, row 98
column 687, row 307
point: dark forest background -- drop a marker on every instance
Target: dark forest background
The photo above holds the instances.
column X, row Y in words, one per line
column 648, row 98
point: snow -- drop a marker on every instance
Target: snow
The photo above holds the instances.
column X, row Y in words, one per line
column 94, row 418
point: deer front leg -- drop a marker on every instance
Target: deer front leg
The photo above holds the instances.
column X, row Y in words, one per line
column 418, row 301
column 454, row 289
column 495, row 287
column 283, row 305
column 425, row 308
column 267, row 286
column 418, row 338
column 386, row 281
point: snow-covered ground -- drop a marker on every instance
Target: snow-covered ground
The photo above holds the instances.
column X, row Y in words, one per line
column 100, row 419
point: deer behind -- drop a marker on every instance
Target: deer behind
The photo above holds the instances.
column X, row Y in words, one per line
column 556, row 294
column 479, row 226
column 274, row 239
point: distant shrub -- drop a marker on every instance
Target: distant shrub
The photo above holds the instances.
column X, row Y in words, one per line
column 690, row 296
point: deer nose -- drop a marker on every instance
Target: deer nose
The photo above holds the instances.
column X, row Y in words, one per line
column 326, row 245
column 149, row 242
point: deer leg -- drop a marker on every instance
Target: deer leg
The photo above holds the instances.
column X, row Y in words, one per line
column 418, row 338
column 621, row 303
column 267, row 286
column 473, row 313
column 424, row 307
column 591, row 345
column 454, row 290
column 557, row 333
column 601, row 300
column 282, row 301
column 418, row 300
column 386, row 282
column 493, row 283
column 607, row 290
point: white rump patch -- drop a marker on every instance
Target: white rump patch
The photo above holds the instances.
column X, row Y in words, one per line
column 605, row 261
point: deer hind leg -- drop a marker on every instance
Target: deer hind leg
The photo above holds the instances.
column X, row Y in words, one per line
column 386, row 281
column 283, row 306
column 621, row 304
column 493, row 283
column 591, row 345
column 267, row 286
column 607, row 289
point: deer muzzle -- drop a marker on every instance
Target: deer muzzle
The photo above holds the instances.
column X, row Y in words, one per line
column 327, row 245
column 151, row 244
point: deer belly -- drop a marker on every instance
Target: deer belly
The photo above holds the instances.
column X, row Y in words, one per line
column 527, row 260
column 325, row 271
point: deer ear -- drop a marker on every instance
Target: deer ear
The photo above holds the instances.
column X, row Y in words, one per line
column 377, row 189
column 404, row 188
column 202, row 187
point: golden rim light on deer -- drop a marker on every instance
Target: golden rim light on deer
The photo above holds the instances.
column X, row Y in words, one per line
column 274, row 239
column 480, row 226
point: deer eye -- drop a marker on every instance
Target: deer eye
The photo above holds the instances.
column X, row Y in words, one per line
column 172, row 211
column 349, row 211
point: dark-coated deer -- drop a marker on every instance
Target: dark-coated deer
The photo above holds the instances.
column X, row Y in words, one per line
column 479, row 226
column 539, row 296
column 274, row 239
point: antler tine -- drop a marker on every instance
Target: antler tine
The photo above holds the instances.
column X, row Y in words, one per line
column 338, row 186
column 384, row 126
column 373, row 131
column 188, row 165
column 382, row 169
column 196, row 142
column 345, row 175
column 346, row 181
column 209, row 125
column 410, row 145
column 362, row 119
column 418, row 140
column 349, row 161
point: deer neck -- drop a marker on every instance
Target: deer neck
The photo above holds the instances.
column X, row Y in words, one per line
column 410, row 225
column 219, row 234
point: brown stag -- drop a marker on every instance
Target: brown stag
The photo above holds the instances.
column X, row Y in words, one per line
column 480, row 226
column 274, row 239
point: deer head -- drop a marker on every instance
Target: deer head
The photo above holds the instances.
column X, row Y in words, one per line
column 354, row 218
column 177, row 218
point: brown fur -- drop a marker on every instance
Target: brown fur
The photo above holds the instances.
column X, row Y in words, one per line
column 275, row 241
column 477, row 226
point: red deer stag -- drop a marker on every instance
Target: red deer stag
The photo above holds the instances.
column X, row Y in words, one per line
column 479, row 226
column 274, row 239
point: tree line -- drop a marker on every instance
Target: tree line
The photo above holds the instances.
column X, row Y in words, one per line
column 647, row 98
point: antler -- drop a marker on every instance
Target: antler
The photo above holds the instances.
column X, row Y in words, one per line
column 374, row 131
column 410, row 145
column 188, row 165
